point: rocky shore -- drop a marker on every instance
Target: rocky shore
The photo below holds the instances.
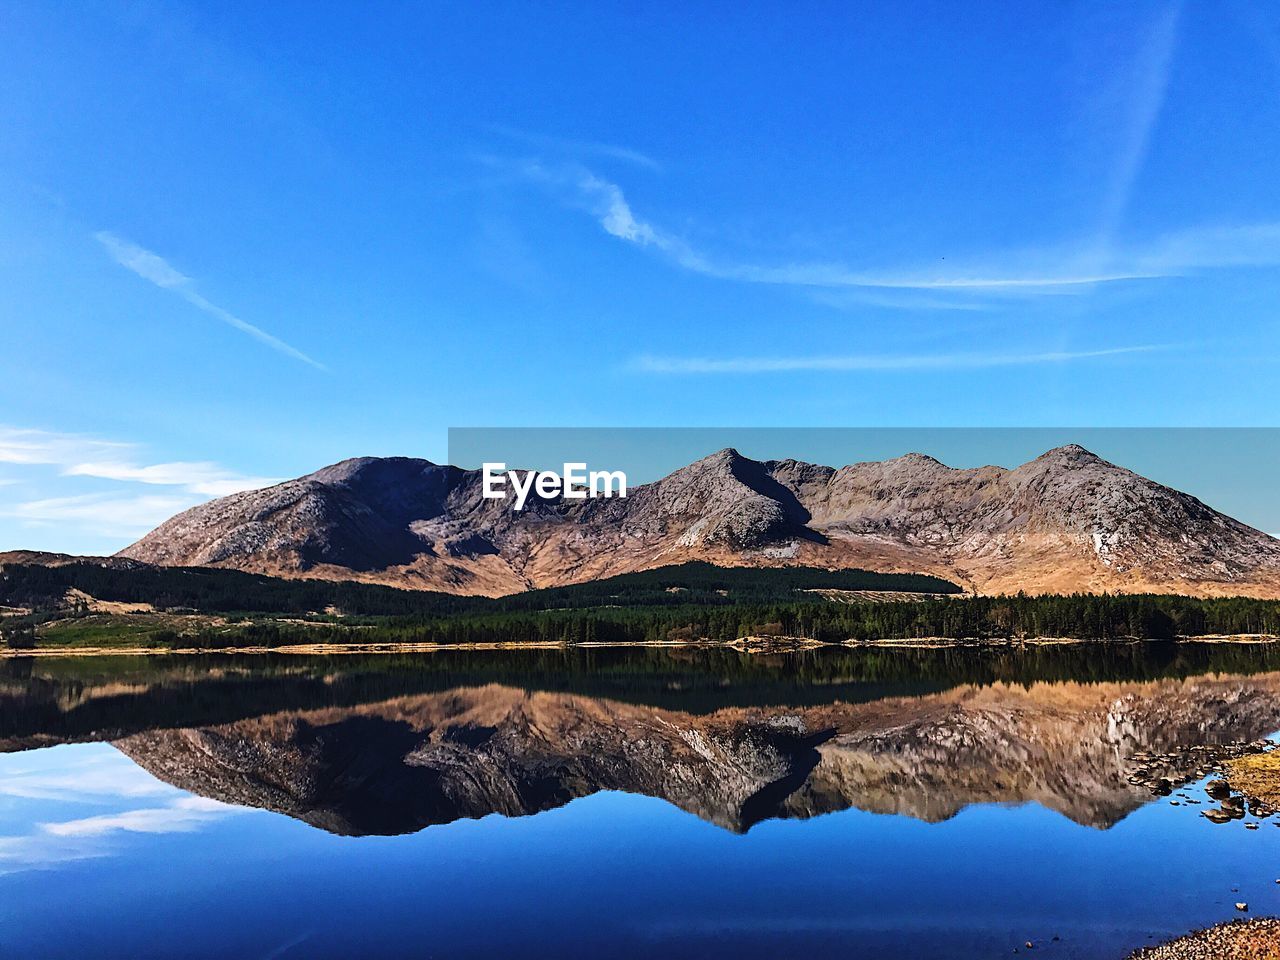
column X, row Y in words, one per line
column 1242, row 774
column 1239, row 940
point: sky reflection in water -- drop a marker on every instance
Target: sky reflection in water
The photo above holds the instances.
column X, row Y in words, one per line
column 99, row 857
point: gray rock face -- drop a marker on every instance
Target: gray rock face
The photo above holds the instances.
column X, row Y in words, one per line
column 1065, row 521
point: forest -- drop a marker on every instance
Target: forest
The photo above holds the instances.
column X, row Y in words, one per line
column 695, row 601
column 206, row 589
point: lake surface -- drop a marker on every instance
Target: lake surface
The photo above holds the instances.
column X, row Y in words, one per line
column 625, row 803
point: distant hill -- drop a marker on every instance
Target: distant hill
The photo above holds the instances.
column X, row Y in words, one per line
column 1066, row 521
column 60, row 581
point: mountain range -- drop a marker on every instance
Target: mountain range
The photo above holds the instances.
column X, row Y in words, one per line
column 401, row 765
column 1066, row 521
column 364, row 745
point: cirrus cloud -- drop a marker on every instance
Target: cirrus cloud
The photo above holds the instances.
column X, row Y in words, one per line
column 123, row 509
column 1068, row 267
column 873, row 362
column 155, row 269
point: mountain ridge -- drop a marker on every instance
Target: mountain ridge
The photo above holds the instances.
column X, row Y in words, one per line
column 1066, row 521
column 401, row 765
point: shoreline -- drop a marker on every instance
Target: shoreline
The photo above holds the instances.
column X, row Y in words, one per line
column 1241, row 939
column 747, row 645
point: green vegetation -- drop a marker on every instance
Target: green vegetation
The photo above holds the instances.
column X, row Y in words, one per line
column 208, row 590
column 696, row 601
column 19, row 634
column 106, row 697
column 981, row 618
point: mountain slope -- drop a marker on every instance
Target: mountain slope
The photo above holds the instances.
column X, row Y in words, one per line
column 1066, row 521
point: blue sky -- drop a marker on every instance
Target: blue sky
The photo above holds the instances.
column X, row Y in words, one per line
column 240, row 241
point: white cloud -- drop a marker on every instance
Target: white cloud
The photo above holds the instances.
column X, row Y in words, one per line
column 615, row 215
column 869, row 362
column 97, row 773
column 31, row 447
column 965, row 280
column 571, row 146
column 40, row 852
column 201, row 477
column 115, row 513
column 155, row 269
column 103, row 514
column 1061, row 269
column 181, row 816
column 80, row 456
column 144, row 263
column 91, row 838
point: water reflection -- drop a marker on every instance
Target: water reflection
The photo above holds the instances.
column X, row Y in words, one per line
column 360, row 746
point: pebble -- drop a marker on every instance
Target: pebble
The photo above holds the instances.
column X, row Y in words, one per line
column 1238, row 940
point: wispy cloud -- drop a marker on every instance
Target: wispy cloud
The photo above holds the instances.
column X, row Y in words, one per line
column 1042, row 271
column 204, row 478
column 871, row 362
column 1144, row 87
column 31, row 447
column 179, row 816
column 108, row 515
column 118, row 512
column 844, row 298
column 1139, row 93
column 89, row 838
column 80, row 456
column 155, row 269
column 95, row 775
column 574, row 147
column 615, row 214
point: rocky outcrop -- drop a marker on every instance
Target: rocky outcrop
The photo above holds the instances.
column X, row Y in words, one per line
column 1066, row 521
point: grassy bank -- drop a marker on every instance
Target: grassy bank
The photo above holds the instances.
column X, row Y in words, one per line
column 1257, row 776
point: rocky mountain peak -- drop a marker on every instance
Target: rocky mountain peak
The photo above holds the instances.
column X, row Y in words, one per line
column 1065, row 521
column 918, row 459
column 1071, row 456
column 372, row 470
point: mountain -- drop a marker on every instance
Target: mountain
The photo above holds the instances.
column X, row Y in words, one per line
column 400, row 765
column 1066, row 521
column 361, row 745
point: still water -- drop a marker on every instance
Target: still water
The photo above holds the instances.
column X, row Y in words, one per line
column 628, row 803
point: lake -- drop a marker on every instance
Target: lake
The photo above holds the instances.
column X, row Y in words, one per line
column 684, row 802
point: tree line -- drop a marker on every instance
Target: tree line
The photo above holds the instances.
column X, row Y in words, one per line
column 692, row 601
column 1079, row 616
column 209, row 590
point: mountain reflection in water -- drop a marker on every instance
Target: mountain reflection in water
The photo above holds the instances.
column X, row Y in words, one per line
column 369, row 745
